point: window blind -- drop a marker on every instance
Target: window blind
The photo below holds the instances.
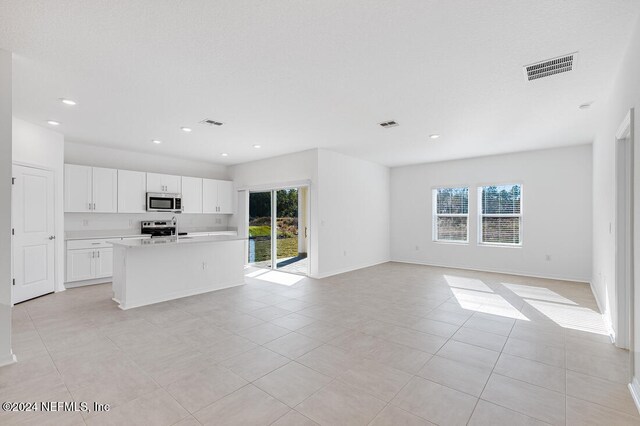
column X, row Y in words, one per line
column 451, row 214
column 501, row 214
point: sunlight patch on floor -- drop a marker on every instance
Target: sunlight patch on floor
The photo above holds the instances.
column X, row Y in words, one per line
column 573, row 317
column 256, row 273
column 468, row 283
column 282, row 278
column 538, row 293
column 474, row 295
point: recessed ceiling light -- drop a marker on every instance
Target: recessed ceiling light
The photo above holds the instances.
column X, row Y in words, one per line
column 585, row 105
column 156, row 141
column 53, row 123
column 434, row 136
column 257, row 146
column 224, row 154
column 67, row 101
column 186, row 129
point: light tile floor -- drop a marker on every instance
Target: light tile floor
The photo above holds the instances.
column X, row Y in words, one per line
column 393, row 344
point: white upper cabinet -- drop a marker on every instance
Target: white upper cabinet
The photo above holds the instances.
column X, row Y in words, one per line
column 102, row 190
column 225, row 196
column 191, row 195
column 132, row 191
column 90, row 189
column 105, row 190
column 163, row 183
column 209, row 196
column 217, row 196
column 77, row 188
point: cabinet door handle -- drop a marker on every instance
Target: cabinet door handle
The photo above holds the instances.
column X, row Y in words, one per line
column 94, row 206
column 89, row 206
column 98, row 254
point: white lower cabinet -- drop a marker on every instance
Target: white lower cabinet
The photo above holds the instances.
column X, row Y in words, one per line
column 80, row 265
column 91, row 260
column 103, row 263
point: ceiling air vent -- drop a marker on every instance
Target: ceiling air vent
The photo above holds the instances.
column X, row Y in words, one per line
column 211, row 122
column 550, row 67
column 390, row 123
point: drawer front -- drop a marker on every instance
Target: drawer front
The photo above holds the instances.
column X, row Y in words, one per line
column 90, row 244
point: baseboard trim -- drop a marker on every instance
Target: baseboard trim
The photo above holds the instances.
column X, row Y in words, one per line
column 349, row 269
column 634, row 388
column 95, row 281
column 11, row 359
column 495, row 271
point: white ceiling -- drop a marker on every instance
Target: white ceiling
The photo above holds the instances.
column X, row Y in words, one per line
column 297, row 75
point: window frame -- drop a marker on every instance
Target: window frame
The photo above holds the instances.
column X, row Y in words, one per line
column 481, row 215
column 435, row 215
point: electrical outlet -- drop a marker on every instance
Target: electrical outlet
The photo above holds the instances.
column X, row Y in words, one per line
column 417, row 248
column 85, row 222
column 548, row 257
column 345, row 253
column 204, row 265
column 218, row 221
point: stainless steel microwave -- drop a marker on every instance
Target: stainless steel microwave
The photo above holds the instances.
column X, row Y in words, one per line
column 164, row 202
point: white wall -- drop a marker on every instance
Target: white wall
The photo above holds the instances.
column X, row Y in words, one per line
column 354, row 212
column 625, row 94
column 6, row 355
column 271, row 172
column 552, row 181
column 90, row 155
column 276, row 170
column 349, row 205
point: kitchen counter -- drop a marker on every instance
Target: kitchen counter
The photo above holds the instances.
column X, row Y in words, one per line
column 169, row 241
column 133, row 233
column 92, row 235
column 176, row 267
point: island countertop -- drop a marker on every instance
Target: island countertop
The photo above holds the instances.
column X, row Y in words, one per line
column 173, row 241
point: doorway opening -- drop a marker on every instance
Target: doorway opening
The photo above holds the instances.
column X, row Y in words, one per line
column 279, row 230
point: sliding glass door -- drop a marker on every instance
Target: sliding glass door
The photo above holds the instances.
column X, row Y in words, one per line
column 278, row 230
column 260, row 229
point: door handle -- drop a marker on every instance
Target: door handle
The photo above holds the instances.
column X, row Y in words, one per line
column 52, row 237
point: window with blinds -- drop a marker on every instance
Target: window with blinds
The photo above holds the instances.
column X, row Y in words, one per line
column 500, row 214
column 451, row 214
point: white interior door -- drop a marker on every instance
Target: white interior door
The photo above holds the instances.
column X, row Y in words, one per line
column 33, row 228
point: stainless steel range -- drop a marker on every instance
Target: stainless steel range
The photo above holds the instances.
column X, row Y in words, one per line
column 159, row 228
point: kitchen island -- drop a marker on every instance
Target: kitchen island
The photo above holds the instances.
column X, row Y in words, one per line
column 160, row 269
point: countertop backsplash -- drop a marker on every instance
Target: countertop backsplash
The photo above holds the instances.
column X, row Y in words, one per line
column 120, row 221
